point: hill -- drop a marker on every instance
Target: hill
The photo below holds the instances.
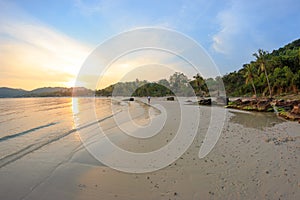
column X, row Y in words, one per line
column 269, row 74
column 45, row 92
column 6, row 92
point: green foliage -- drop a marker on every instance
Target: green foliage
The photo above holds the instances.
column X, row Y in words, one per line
column 272, row 73
column 152, row 89
column 178, row 84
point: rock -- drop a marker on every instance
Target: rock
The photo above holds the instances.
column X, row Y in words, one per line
column 245, row 102
column 237, row 102
column 289, row 109
column 286, row 105
column 130, row 99
column 289, row 116
column 170, row 98
column 204, row 102
column 296, row 109
column 264, row 105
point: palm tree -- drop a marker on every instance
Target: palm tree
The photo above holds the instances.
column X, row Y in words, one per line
column 249, row 75
column 200, row 81
column 261, row 60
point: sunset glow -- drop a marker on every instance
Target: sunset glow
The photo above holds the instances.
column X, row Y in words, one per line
column 45, row 44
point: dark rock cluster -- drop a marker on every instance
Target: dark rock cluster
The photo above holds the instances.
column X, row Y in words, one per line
column 288, row 109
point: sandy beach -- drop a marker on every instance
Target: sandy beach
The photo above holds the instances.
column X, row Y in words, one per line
column 256, row 157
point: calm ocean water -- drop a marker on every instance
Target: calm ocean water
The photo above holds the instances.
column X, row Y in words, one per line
column 27, row 124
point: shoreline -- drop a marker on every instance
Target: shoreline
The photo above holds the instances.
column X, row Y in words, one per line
column 247, row 162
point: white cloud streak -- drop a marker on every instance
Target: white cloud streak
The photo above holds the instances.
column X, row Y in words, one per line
column 34, row 54
column 232, row 25
column 90, row 8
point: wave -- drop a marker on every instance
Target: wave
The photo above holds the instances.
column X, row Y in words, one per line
column 33, row 147
column 13, row 156
column 26, row 132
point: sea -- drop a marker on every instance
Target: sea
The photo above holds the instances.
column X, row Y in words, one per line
column 28, row 124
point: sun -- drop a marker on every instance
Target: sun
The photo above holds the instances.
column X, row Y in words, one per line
column 70, row 83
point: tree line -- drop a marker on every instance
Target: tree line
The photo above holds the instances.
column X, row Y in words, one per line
column 269, row 74
column 178, row 84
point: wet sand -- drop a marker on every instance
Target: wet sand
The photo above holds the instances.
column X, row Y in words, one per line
column 251, row 160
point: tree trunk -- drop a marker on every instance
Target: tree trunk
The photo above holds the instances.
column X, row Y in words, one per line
column 268, row 83
column 294, row 89
column 199, row 89
column 253, row 88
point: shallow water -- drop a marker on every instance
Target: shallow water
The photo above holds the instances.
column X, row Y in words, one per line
column 30, row 123
column 256, row 120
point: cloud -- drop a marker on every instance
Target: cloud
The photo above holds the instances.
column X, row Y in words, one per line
column 89, row 8
column 232, row 24
column 127, row 14
column 33, row 53
column 248, row 25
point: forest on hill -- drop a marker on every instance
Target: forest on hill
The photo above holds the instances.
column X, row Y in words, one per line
column 269, row 74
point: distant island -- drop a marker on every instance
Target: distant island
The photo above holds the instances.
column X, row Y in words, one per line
column 6, row 92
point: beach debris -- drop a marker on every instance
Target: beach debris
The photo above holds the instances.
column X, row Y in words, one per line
column 82, row 185
column 280, row 140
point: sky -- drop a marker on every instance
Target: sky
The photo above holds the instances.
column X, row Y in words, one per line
column 45, row 43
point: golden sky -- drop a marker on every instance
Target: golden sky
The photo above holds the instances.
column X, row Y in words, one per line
column 34, row 54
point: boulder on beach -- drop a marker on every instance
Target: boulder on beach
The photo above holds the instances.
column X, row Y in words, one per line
column 296, row 109
column 204, row 102
column 288, row 109
column 170, row 98
column 262, row 105
column 130, row 99
column 287, row 105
